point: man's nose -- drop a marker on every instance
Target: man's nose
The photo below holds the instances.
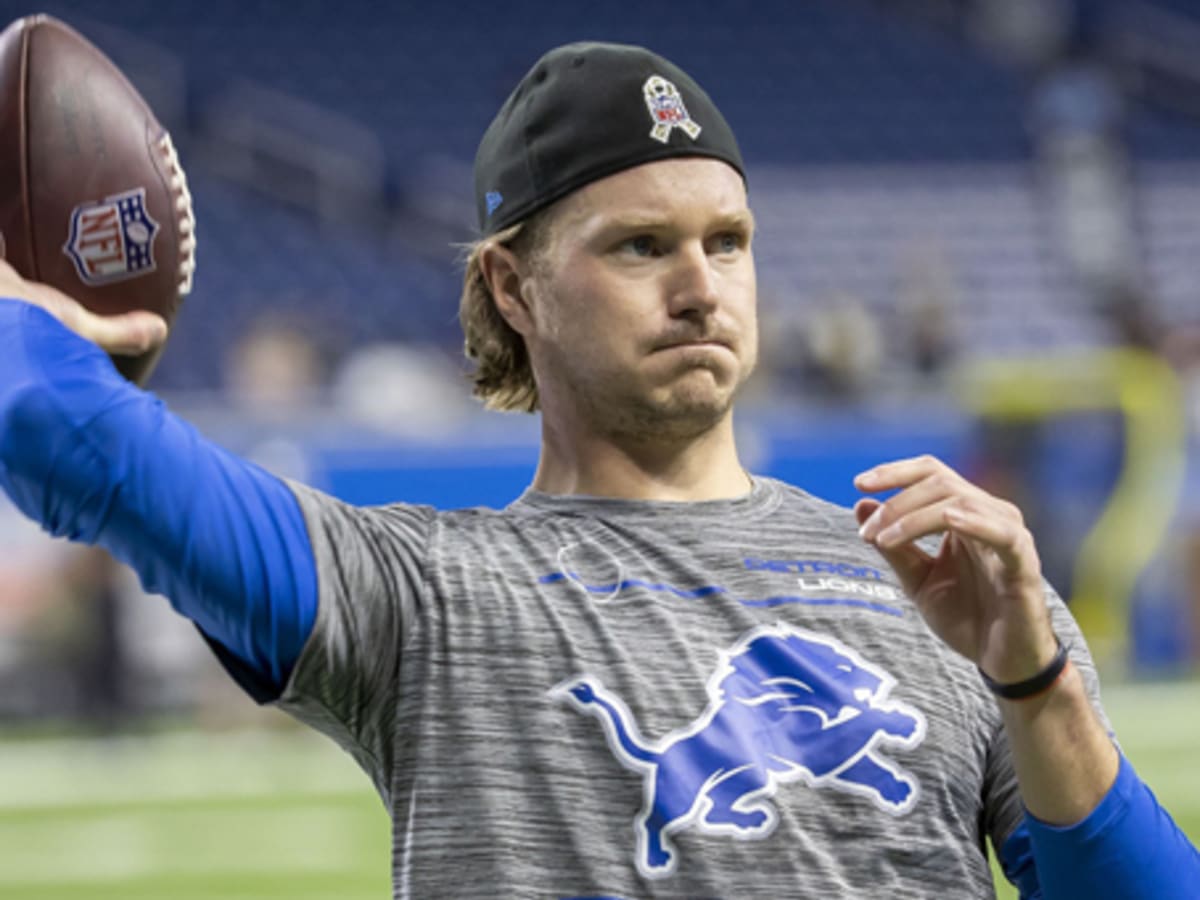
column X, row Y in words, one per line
column 693, row 284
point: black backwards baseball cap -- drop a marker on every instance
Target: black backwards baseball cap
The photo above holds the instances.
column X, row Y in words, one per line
column 585, row 111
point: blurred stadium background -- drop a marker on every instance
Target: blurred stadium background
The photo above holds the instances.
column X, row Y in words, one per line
column 980, row 238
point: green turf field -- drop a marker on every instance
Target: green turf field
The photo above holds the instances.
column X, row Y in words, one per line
column 285, row 814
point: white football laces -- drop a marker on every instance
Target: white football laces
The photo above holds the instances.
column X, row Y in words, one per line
column 185, row 217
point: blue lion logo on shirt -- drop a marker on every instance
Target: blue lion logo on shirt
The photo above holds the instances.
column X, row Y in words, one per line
column 784, row 704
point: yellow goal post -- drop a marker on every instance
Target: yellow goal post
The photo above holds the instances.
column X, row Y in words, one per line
column 1144, row 389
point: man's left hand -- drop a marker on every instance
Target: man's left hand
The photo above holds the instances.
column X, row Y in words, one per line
column 981, row 592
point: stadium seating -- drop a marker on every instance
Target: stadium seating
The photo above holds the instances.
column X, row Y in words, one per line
column 866, row 135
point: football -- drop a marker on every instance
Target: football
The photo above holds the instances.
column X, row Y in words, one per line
column 93, row 200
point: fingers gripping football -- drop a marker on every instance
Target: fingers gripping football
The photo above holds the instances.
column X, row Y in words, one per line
column 125, row 334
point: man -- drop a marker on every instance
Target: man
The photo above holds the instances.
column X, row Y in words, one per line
column 653, row 674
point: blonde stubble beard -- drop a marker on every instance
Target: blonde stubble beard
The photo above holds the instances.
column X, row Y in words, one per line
column 633, row 415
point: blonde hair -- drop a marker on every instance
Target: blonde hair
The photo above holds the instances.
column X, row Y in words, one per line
column 503, row 378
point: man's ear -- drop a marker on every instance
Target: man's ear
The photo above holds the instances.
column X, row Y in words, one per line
column 505, row 277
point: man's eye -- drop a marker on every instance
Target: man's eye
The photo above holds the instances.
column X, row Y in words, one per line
column 729, row 242
column 642, row 245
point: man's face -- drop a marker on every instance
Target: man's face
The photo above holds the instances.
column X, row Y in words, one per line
column 644, row 301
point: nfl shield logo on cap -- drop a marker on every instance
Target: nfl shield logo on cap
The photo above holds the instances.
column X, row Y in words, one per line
column 667, row 109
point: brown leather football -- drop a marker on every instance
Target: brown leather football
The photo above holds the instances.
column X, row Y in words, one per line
column 92, row 197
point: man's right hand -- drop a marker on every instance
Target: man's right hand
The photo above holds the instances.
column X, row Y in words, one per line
column 125, row 334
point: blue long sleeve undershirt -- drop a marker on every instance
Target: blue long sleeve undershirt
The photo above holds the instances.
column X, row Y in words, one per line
column 1128, row 848
column 94, row 459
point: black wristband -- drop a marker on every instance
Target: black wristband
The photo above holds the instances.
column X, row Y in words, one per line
column 1034, row 685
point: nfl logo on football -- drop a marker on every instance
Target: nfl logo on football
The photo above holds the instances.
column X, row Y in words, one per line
column 112, row 240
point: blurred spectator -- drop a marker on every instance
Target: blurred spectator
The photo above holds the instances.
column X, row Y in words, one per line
column 843, row 348
column 91, row 649
column 1191, row 542
column 1004, row 466
column 27, row 563
column 928, row 301
column 61, row 634
column 276, row 369
column 402, row 389
column 1182, row 349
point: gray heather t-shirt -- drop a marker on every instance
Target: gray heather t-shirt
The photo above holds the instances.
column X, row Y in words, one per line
column 584, row 697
